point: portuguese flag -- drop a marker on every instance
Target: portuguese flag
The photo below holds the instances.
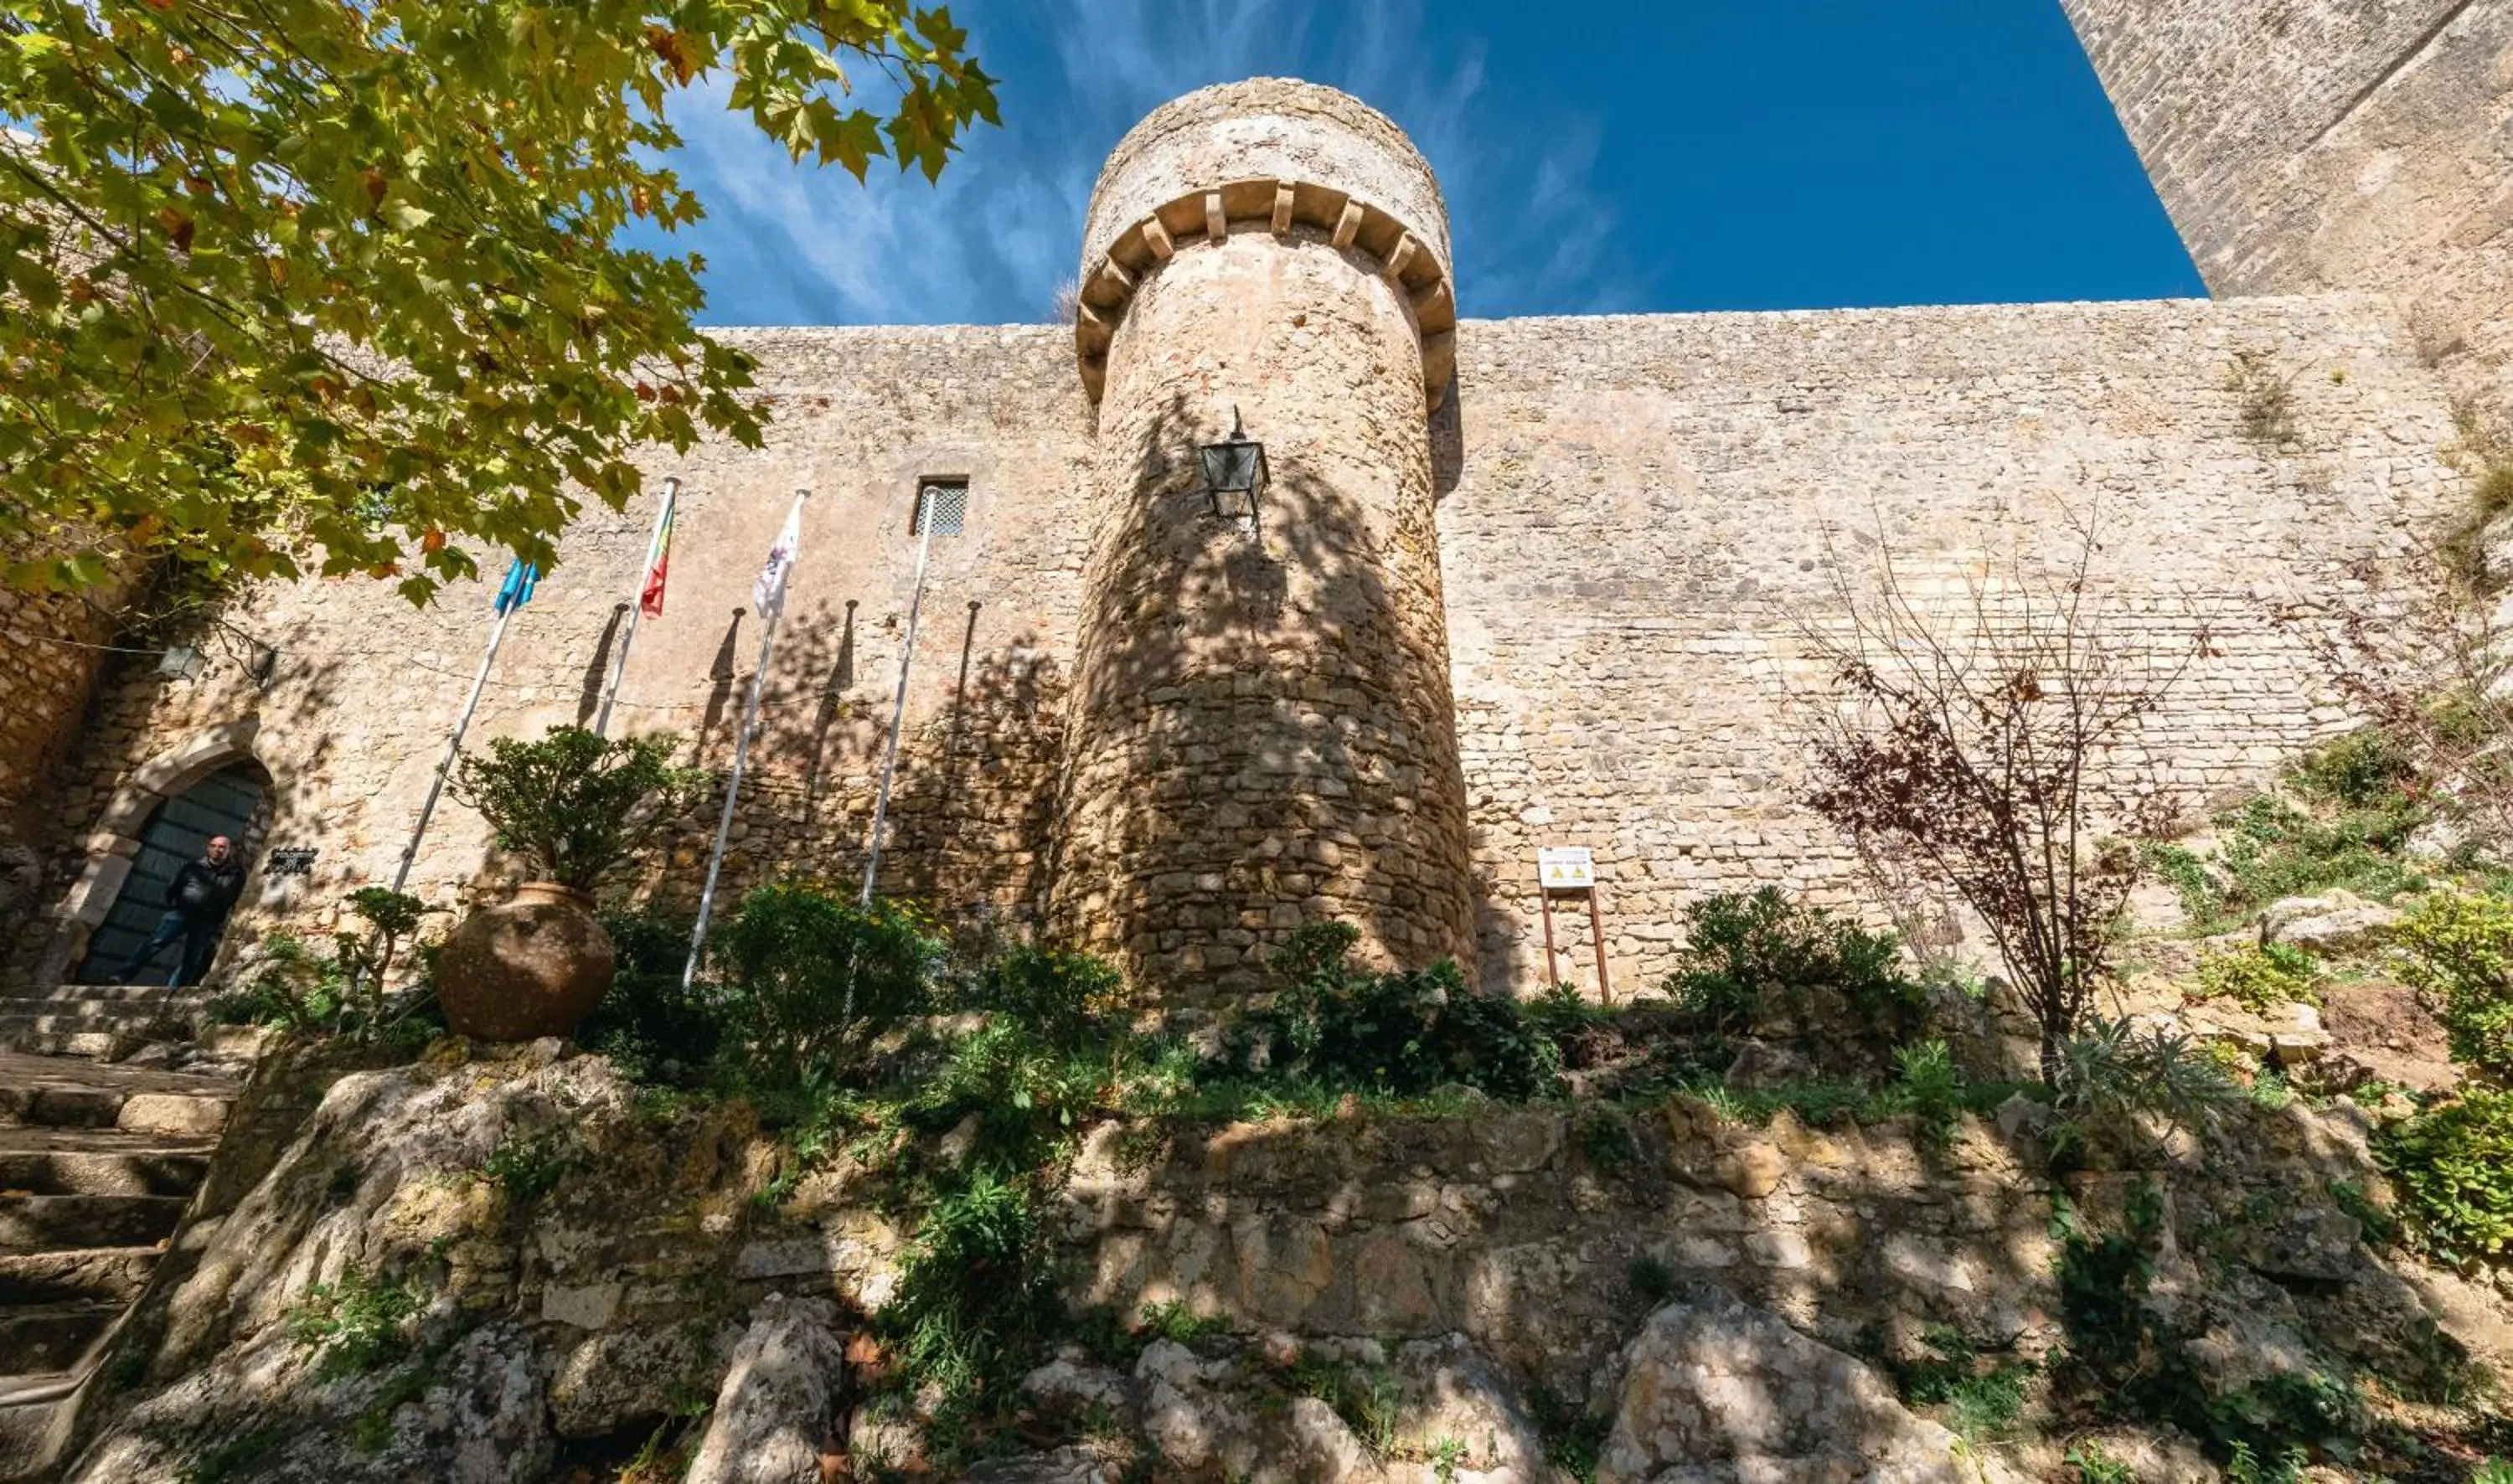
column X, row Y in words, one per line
column 650, row 597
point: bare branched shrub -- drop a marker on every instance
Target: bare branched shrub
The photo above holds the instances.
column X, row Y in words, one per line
column 1993, row 746
column 2409, row 649
column 1066, row 305
column 2267, row 398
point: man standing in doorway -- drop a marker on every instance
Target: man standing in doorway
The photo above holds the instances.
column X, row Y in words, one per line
column 197, row 903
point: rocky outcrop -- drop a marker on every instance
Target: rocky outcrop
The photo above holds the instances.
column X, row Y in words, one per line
column 2330, row 925
column 1715, row 1391
column 777, row 1414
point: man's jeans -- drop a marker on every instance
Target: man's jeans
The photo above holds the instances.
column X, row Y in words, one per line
column 200, row 939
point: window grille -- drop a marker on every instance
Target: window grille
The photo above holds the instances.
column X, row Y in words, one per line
column 941, row 507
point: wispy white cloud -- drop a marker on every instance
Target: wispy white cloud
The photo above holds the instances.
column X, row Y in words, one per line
column 793, row 243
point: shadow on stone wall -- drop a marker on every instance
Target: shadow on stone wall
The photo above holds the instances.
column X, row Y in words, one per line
column 1261, row 730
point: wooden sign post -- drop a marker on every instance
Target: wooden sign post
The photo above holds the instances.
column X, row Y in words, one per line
column 1571, row 868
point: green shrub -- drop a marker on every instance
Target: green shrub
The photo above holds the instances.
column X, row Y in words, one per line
column 2494, row 1470
column 355, row 1324
column 2093, row 1466
column 1928, row 1086
column 977, row 1292
column 577, row 806
column 1573, row 1440
column 2458, row 948
column 2268, row 848
column 811, row 979
column 655, row 1029
column 2366, row 769
column 1368, row 1397
column 2109, row 1071
column 1405, row 1032
column 2453, row 1165
column 1754, row 954
column 2260, row 978
column 1060, row 997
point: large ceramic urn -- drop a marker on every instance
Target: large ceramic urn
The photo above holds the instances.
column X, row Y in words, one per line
column 532, row 966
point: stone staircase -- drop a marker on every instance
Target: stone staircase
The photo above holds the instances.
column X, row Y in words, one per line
column 98, row 1162
column 107, row 1020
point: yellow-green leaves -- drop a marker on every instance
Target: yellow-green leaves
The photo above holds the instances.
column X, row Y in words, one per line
column 310, row 287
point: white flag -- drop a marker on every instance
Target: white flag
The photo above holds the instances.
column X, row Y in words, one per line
column 768, row 594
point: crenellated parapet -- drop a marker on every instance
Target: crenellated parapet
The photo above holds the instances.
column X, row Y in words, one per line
column 1273, row 155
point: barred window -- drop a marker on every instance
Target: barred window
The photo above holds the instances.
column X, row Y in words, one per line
column 942, row 506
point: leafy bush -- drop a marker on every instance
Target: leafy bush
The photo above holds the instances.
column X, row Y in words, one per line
column 2454, row 1164
column 977, row 1293
column 2458, row 947
column 1407, row 1031
column 1060, row 997
column 812, row 979
column 1751, row 954
column 2257, row 978
column 1368, row 1397
column 2110, row 1071
column 655, row 1029
column 573, row 804
column 305, row 991
column 1930, row 1088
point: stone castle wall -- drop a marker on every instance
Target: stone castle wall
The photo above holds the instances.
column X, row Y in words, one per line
column 353, row 718
column 2311, row 144
column 1631, row 515
column 1641, row 511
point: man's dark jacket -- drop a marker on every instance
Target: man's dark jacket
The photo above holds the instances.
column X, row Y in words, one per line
column 204, row 892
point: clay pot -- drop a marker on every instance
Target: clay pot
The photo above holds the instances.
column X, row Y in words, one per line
column 532, row 966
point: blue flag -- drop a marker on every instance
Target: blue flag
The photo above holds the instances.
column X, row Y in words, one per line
column 517, row 589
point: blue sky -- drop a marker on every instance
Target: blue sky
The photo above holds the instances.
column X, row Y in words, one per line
column 1607, row 156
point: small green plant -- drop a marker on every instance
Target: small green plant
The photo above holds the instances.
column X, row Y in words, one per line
column 1752, row 954
column 372, row 1429
column 2110, row 1071
column 1981, row 1402
column 2492, row 1469
column 2260, row 978
column 575, row 805
column 1572, row 1439
column 1605, row 1140
column 1173, row 1321
column 2094, row 1465
column 1446, row 1457
column 357, row 1323
column 656, row 1031
column 528, row 1167
column 2453, row 1166
column 1927, row 1085
column 2458, row 947
column 2244, row 1467
column 1652, row 1280
column 1369, row 1398
column 221, row 1463
column 2271, row 1092
column 2266, row 406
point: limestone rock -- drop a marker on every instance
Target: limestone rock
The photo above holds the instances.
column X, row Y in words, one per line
column 1065, row 1466
column 2329, row 925
column 1715, row 1391
column 774, row 1414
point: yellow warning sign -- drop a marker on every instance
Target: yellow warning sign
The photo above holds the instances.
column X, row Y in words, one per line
column 1566, row 868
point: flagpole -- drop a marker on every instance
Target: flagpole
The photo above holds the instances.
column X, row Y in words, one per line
column 742, row 750
column 898, row 706
column 636, row 607
column 453, row 746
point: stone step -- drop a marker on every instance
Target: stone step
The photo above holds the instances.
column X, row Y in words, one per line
column 91, row 1275
column 19, row 998
column 56, row 1092
column 34, row 1224
column 100, row 1161
column 52, row 1336
column 32, row 1409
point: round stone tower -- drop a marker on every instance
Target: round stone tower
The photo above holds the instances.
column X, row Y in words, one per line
column 1263, row 732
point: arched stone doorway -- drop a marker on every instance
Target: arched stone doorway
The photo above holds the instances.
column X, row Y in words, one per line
column 233, row 801
column 115, row 848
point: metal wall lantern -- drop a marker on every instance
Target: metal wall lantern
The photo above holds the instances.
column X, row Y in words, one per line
column 1235, row 474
